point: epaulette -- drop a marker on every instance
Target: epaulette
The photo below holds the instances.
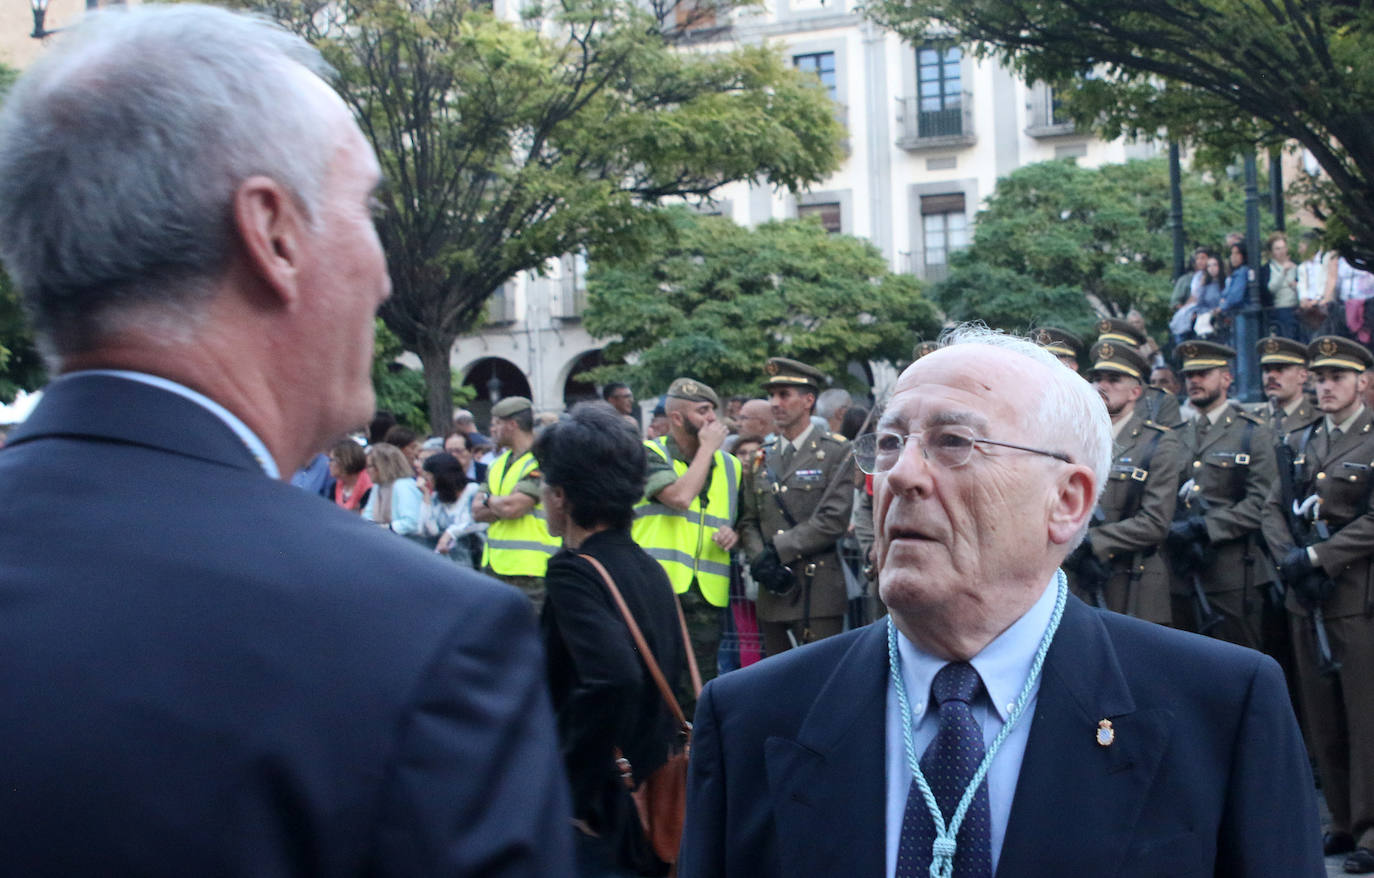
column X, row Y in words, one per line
column 836, row 437
column 1250, row 416
column 1160, row 427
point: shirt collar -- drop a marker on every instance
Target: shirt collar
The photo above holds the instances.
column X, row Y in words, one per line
column 1004, row 664
column 255, row 445
column 796, row 444
column 1348, row 423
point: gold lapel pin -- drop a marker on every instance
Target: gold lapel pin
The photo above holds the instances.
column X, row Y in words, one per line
column 1105, row 733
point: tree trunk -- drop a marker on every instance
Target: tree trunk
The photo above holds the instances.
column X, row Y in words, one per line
column 434, row 355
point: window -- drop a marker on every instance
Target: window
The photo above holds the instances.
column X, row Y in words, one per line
column 828, row 212
column 939, row 91
column 1057, row 116
column 945, row 227
column 823, row 65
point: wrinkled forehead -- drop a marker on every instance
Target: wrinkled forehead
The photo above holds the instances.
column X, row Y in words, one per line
column 980, row 386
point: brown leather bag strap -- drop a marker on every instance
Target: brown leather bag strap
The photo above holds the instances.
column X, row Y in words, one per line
column 643, row 646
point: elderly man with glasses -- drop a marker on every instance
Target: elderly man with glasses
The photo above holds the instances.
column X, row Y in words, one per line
column 994, row 723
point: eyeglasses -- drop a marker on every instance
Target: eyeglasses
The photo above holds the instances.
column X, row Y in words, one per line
column 949, row 446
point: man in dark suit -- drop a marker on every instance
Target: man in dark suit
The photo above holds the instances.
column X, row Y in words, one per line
column 207, row 671
column 1118, row 747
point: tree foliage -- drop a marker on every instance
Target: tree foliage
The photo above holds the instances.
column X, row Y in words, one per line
column 400, row 389
column 1062, row 245
column 1223, row 74
column 720, row 299
column 506, row 144
column 21, row 367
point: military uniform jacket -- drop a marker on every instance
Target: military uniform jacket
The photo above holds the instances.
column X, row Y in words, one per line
column 1143, row 491
column 1340, row 474
column 1287, row 427
column 1159, row 406
column 818, row 490
column 1234, row 477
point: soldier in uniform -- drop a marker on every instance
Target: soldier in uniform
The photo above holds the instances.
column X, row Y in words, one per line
column 1060, row 342
column 1228, row 471
column 1154, row 404
column 686, row 519
column 1283, row 364
column 518, row 541
column 1334, row 474
column 1288, row 412
column 795, row 506
column 1118, row 565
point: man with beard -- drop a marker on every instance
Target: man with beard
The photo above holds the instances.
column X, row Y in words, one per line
column 1336, row 573
column 794, row 509
column 1283, row 363
column 1107, row 746
column 686, row 520
column 1228, row 471
column 1118, row 565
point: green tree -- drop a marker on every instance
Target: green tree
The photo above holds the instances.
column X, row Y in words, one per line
column 21, row 367
column 1063, row 245
column 719, row 299
column 1222, row 74
column 507, row 144
column 401, row 390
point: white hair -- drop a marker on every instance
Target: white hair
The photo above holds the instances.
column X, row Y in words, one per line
column 121, row 150
column 832, row 400
column 1071, row 415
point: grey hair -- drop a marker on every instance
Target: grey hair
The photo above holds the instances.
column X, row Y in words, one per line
column 1071, row 412
column 831, row 401
column 121, row 150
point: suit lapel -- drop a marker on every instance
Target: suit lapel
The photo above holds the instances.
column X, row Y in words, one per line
column 829, row 785
column 116, row 409
column 1067, row 777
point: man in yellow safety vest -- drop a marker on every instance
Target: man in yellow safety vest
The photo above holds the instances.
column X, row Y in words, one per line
column 686, row 521
column 518, row 542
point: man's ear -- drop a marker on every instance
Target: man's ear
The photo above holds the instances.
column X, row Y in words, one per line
column 1072, row 504
column 271, row 228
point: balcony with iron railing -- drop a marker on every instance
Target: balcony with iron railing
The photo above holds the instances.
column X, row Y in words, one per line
column 934, row 129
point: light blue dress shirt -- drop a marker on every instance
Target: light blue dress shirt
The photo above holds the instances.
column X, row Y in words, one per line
column 255, row 445
column 1004, row 664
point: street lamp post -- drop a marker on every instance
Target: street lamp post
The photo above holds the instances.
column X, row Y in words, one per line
column 40, row 12
column 1248, row 320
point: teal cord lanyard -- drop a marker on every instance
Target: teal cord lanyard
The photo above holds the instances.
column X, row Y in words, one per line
column 942, row 851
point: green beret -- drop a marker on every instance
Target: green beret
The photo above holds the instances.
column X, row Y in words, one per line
column 510, row 407
column 692, row 390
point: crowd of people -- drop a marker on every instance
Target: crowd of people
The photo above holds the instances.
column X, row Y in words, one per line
column 1302, row 295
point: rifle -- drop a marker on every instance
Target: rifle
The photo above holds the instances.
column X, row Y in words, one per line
column 1187, row 557
column 1317, row 583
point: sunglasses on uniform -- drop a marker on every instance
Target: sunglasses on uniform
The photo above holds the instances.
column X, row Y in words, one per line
column 948, row 446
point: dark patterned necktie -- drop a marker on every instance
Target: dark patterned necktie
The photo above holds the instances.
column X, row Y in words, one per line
column 949, row 764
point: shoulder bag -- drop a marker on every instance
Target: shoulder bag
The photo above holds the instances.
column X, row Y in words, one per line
column 661, row 798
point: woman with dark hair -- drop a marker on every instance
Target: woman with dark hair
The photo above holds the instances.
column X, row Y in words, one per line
column 593, row 468
column 348, row 466
column 447, row 524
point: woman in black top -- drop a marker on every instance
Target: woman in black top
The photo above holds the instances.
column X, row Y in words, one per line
column 593, row 468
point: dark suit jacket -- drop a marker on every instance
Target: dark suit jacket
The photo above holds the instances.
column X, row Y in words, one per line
column 1207, row 775
column 211, row 673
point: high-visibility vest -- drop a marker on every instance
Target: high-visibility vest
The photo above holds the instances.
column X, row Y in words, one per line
column 517, row 546
column 681, row 539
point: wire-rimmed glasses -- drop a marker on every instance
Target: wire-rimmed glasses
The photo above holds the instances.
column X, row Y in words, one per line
column 949, row 446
